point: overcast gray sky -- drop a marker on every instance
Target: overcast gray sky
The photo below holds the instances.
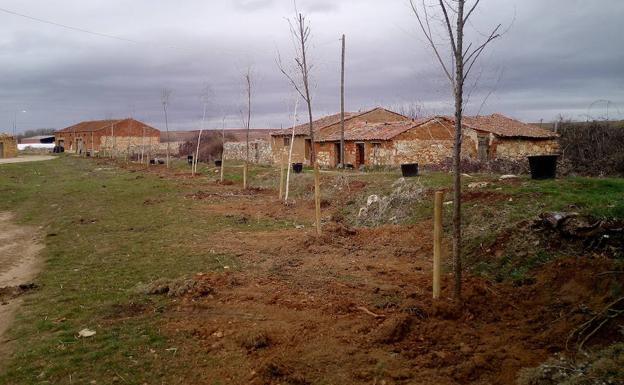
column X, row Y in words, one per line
column 559, row 56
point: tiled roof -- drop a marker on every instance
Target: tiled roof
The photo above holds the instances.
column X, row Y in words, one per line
column 501, row 125
column 304, row 129
column 91, row 125
column 371, row 131
column 330, row 120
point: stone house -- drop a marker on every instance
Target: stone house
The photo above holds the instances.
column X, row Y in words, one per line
column 302, row 146
column 235, row 146
column 430, row 140
column 8, row 146
column 114, row 135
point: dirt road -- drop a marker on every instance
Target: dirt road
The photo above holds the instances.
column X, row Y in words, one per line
column 19, row 264
column 28, row 158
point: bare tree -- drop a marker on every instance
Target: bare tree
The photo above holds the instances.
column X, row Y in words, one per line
column 454, row 16
column 300, row 32
column 342, row 102
column 290, row 150
column 205, row 98
column 247, row 121
column 164, row 98
column 222, row 148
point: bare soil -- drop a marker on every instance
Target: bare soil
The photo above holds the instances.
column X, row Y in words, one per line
column 354, row 305
column 19, row 264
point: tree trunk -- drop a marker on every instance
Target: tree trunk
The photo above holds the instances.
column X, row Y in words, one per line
column 342, row 104
column 290, row 151
column 167, row 128
column 459, row 94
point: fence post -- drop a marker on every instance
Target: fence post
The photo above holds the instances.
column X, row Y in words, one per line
column 437, row 242
column 317, row 197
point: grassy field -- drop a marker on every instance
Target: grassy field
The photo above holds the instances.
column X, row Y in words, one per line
column 107, row 231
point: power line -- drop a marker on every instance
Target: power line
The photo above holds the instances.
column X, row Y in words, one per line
column 114, row 37
column 70, row 27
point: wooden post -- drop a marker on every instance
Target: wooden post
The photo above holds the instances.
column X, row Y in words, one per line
column 317, row 198
column 437, row 242
column 222, row 165
column 281, row 182
column 245, row 175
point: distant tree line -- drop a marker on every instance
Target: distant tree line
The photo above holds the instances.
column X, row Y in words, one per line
column 35, row 132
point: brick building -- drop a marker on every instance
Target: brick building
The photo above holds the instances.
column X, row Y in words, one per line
column 118, row 135
column 8, row 146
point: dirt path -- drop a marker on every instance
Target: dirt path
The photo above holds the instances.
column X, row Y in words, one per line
column 28, row 158
column 19, row 264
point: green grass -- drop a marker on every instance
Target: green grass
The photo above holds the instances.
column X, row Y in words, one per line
column 101, row 242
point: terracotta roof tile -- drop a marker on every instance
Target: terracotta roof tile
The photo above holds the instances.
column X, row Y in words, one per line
column 501, row 125
column 91, row 125
column 303, row 129
column 371, row 131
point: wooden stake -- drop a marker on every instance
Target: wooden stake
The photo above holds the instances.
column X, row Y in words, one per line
column 245, row 176
column 281, row 183
column 222, row 164
column 317, row 197
column 437, row 242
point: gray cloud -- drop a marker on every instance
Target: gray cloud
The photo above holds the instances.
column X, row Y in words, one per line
column 558, row 57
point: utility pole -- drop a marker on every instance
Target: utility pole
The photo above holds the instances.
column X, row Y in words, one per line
column 342, row 105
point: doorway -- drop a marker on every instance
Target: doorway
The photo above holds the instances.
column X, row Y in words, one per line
column 336, row 154
column 483, row 151
column 79, row 147
column 1, row 150
column 359, row 155
column 308, row 149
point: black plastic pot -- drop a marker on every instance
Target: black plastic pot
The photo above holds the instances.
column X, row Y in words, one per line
column 297, row 167
column 409, row 169
column 189, row 159
column 218, row 163
column 543, row 166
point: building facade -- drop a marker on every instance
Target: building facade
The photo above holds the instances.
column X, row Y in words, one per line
column 302, row 145
column 114, row 136
column 430, row 140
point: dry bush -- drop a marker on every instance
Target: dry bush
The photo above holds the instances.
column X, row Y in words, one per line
column 603, row 367
column 592, row 148
column 211, row 146
column 391, row 208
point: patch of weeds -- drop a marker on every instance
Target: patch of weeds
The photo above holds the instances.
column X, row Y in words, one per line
column 601, row 367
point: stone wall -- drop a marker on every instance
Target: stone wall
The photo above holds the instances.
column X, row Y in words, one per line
column 130, row 145
column 9, row 146
column 521, row 148
column 259, row 151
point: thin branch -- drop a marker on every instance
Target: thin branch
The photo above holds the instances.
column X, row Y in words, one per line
column 429, row 37
column 474, row 6
column 449, row 27
column 472, row 58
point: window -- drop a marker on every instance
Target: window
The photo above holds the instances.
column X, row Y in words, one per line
column 286, row 141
